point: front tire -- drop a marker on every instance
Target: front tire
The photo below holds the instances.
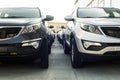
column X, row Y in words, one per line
column 44, row 57
column 76, row 58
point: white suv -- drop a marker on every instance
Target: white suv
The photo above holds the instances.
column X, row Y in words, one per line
column 95, row 31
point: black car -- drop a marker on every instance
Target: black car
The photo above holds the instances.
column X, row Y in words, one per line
column 51, row 37
column 23, row 35
column 51, row 34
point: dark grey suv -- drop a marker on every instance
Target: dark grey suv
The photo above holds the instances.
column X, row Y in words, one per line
column 23, row 35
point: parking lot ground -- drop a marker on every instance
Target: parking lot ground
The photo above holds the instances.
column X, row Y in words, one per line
column 60, row 69
column 60, row 66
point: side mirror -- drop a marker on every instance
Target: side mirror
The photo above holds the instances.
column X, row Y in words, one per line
column 51, row 26
column 48, row 18
column 69, row 18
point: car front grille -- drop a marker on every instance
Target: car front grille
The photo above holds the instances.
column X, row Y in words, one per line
column 113, row 44
column 114, row 53
column 9, row 32
column 111, row 31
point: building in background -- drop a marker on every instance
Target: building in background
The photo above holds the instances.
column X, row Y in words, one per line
column 97, row 3
column 88, row 3
column 56, row 25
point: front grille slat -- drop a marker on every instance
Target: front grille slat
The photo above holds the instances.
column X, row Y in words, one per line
column 113, row 44
column 111, row 31
column 9, row 32
column 114, row 53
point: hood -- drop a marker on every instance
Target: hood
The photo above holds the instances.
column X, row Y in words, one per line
column 19, row 21
column 100, row 21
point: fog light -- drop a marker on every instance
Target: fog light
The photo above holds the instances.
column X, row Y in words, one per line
column 87, row 44
column 34, row 44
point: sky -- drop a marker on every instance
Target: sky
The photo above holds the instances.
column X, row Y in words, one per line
column 57, row 8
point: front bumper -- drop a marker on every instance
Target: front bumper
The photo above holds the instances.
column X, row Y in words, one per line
column 26, row 49
column 97, row 46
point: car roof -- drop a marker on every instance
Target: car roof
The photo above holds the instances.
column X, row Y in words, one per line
column 19, row 8
column 97, row 7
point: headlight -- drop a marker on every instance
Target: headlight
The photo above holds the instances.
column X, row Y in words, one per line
column 90, row 28
column 31, row 28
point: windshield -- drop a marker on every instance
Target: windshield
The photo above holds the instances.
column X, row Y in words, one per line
column 20, row 13
column 98, row 13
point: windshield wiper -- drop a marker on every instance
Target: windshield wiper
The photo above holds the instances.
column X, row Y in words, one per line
column 87, row 17
column 117, row 17
column 103, row 17
column 95, row 17
column 13, row 17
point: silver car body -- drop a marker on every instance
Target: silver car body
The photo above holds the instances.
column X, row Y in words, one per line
column 100, row 22
column 94, row 43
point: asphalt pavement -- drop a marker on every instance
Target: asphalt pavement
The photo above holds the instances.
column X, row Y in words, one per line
column 60, row 69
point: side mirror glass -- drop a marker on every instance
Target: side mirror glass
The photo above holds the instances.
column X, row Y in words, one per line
column 49, row 18
column 69, row 18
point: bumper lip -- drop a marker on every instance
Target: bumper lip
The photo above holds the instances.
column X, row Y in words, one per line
column 19, row 57
column 101, row 52
column 98, row 57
